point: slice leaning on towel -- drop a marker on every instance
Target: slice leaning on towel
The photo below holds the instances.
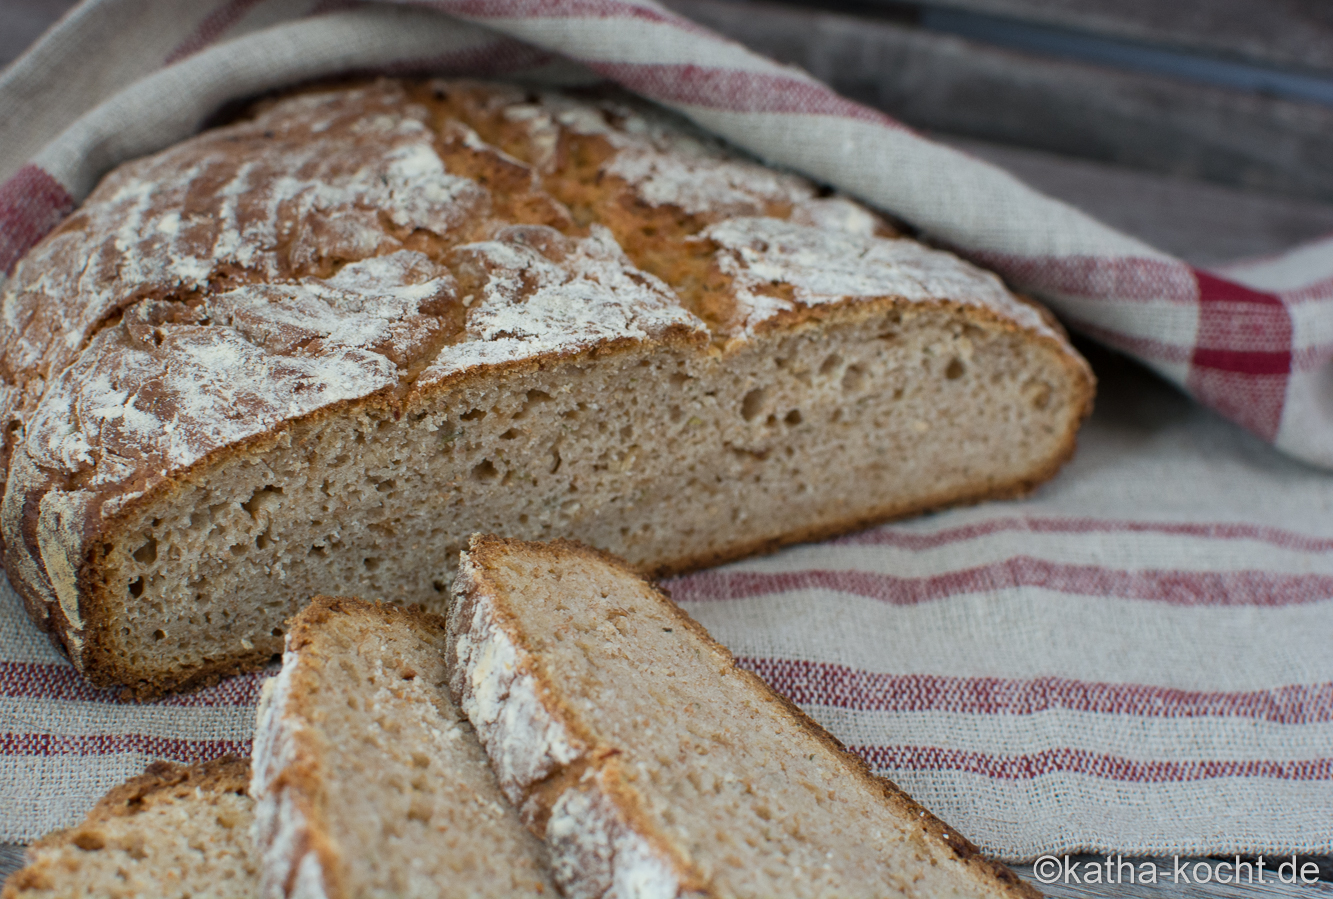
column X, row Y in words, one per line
column 310, row 352
column 651, row 766
column 654, row 766
column 368, row 781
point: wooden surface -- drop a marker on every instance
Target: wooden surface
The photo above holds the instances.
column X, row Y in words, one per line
column 1285, row 33
column 945, row 83
column 23, row 21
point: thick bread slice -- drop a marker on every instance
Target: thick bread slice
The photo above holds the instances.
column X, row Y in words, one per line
column 368, row 780
column 173, row 832
column 312, row 351
column 653, row 766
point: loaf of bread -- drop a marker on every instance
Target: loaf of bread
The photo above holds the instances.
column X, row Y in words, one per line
column 312, row 351
column 174, row 832
column 653, row 766
column 368, row 781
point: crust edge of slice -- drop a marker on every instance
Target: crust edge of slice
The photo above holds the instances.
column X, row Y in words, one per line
column 570, row 789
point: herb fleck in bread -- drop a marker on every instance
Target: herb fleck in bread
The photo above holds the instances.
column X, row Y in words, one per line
column 653, row 766
column 174, row 832
column 368, row 780
column 312, row 351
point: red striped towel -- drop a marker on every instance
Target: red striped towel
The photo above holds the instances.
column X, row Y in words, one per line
column 1135, row 660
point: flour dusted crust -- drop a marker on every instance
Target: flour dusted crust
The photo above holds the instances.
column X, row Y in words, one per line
column 578, row 792
column 360, row 251
column 581, row 809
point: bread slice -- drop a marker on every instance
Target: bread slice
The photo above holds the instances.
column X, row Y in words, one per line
column 368, row 780
column 653, row 766
column 173, row 832
column 312, row 351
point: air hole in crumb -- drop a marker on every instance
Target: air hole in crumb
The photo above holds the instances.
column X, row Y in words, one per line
column 439, row 586
column 511, row 434
column 319, row 552
column 679, row 379
column 626, row 432
column 147, row 554
column 254, row 503
column 262, row 541
column 159, row 635
column 676, row 414
column 136, row 587
column 523, row 519
column 793, row 417
column 386, row 486
column 771, row 420
column 485, row 471
column 753, row 403
column 89, row 840
column 955, row 369
column 276, row 632
column 474, row 415
column 854, row 378
column 830, row 364
column 407, row 674
column 371, row 564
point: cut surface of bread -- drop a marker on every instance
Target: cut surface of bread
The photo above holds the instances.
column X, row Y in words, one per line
column 174, row 832
column 312, row 351
column 653, row 766
column 368, row 780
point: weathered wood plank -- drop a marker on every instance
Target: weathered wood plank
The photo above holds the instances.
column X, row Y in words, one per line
column 23, row 21
column 1284, row 33
column 948, row 84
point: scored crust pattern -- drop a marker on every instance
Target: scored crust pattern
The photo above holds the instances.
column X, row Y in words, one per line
column 365, row 245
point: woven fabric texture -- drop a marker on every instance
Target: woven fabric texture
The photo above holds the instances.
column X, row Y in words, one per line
column 1135, row 660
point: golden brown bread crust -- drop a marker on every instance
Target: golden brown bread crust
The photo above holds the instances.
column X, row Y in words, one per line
column 163, row 782
column 485, row 552
column 73, row 483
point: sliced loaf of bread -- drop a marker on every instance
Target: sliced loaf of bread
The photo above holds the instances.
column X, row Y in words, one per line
column 312, row 351
column 654, row 766
column 368, row 780
column 174, row 832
